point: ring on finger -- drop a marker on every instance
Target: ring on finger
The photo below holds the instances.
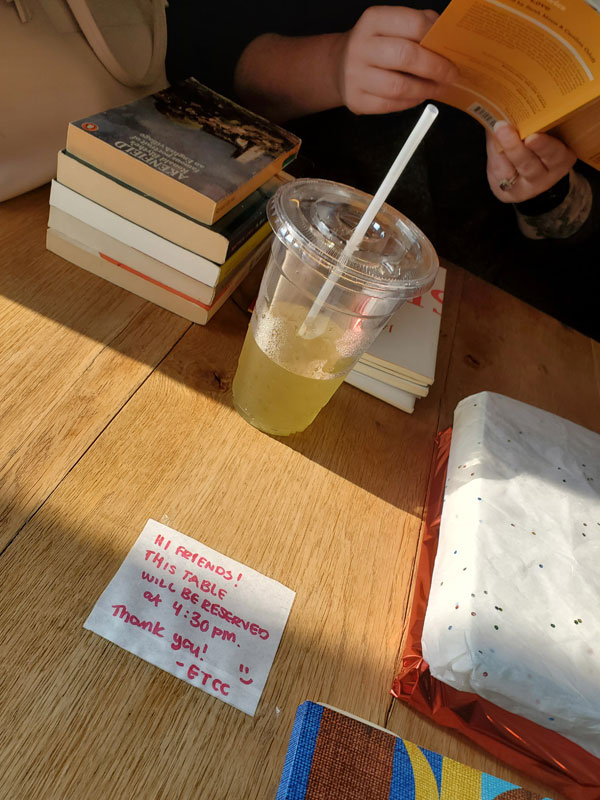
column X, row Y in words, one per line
column 506, row 184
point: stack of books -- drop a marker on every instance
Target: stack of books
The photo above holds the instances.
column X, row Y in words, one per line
column 399, row 367
column 166, row 196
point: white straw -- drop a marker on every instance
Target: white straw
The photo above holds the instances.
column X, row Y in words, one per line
column 410, row 145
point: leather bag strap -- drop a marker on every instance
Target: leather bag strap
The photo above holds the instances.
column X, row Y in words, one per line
column 96, row 40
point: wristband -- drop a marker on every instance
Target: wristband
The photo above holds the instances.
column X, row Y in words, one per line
column 546, row 201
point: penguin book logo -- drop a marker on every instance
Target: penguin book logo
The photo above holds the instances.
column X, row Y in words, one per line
column 89, row 126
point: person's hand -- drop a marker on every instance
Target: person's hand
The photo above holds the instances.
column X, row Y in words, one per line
column 524, row 168
column 383, row 68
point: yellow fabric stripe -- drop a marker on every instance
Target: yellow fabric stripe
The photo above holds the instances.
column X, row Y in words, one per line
column 459, row 780
column 425, row 783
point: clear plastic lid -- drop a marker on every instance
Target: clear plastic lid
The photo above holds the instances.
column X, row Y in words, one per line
column 316, row 218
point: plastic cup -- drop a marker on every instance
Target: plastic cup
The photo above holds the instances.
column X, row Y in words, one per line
column 288, row 371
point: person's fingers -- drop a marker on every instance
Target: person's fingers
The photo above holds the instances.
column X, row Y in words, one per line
column 553, row 153
column 397, row 86
column 374, row 104
column 525, row 161
column 501, row 168
column 498, row 161
column 408, row 23
column 508, row 179
column 403, row 55
column 431, row 14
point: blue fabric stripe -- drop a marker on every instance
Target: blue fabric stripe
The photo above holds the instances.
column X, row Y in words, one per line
column 301, row 749
column 402, row 785
column 491, row 786
column 435, row 761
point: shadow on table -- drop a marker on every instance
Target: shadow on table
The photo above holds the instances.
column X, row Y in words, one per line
column 358, row 437
column 82, row 710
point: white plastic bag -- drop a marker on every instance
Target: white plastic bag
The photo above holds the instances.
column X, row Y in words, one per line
column 514, row 608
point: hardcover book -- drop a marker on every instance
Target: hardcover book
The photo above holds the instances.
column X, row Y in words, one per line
column 335, row 756
column 187, row 147
column 215, row 242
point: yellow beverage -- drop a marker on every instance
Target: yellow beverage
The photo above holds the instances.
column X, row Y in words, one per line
column 283, row 380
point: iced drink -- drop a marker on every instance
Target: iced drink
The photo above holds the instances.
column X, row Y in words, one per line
column 283, row 380
column 287, row 371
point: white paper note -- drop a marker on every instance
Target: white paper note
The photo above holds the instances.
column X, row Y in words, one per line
column 195, row 613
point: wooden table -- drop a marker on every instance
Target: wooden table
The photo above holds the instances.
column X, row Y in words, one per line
column 114, row 411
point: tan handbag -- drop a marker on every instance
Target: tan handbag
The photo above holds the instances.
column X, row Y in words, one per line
column 64, row 59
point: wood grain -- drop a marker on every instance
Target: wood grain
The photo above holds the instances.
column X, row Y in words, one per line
column 501, row 344
column 504, row 345
column 114, row 412
column 73, row 349
column 342, row 537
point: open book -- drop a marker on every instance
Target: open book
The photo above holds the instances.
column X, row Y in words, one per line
column 534, row 63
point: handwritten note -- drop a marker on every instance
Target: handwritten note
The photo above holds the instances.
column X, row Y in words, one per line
column 195, row 613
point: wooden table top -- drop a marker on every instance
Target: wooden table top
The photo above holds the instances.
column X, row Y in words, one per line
column 115, row 411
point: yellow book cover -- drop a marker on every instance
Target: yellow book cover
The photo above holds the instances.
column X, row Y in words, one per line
column 534, row 63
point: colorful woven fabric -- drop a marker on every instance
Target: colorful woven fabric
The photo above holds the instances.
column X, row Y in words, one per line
column 332, row 756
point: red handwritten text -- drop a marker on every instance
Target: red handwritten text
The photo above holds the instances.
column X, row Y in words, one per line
column 205, row 586
column 217, row 685
column 228, row 616
column 160, row 561
column 160, row 582
column 200, row 561
column 179, row 643
column 154, row 628
column 151, row 598
column 227, row 636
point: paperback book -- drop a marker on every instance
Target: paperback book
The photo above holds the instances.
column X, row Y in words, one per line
column 399, row 366
column 187, row 146
column 136, row 262
column 534, row 63
column 186, row 305
column 148, row 242
column 215, row 242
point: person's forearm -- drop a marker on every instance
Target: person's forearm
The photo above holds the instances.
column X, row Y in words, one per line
column 283, row 77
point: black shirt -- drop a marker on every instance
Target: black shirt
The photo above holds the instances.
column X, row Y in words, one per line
column 444, row 188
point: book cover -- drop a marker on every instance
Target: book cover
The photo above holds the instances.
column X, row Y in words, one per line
column 336, row 756
column 148, row 242
column 407, row 346
column 534, row 63
column 216, row 242
column 187, row 146
column 154, row 291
